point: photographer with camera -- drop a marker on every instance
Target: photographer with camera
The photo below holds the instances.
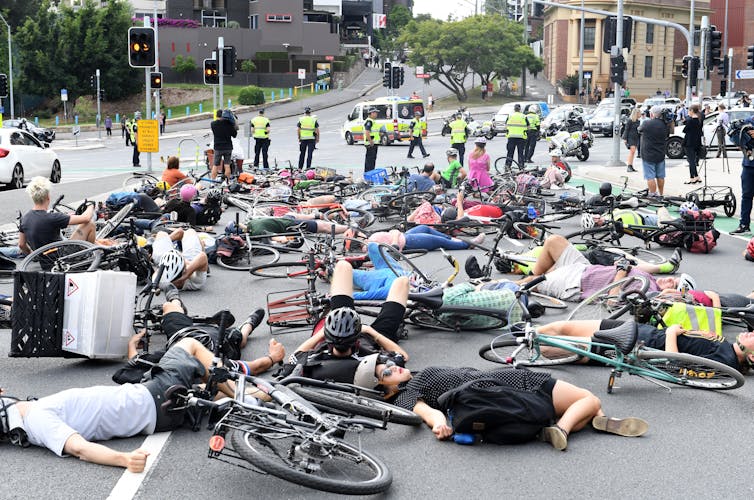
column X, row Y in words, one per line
column 742, row 134
column 654, row 135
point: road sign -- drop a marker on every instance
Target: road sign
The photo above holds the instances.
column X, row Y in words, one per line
column 587, row 75
column 420, row 70
column 744, row 74
column 423, row 75
column 76, row 130
column 63, row 95
column 148, row 136
column 301, row 74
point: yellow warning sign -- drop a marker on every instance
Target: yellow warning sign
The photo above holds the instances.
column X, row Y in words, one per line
column 148, row 136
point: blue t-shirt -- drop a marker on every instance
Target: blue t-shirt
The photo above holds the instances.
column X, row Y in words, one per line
column 418, row 182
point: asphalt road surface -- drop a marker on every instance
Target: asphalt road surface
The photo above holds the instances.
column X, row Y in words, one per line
column 697, row 444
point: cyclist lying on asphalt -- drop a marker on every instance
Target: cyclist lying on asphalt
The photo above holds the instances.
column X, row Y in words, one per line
column 259, row 226
column 570, row 276
column 340, row 341
column 573, row 406
column 186, row 269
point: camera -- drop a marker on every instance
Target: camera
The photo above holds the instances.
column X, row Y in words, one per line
column 667, row 116
column 739, row 135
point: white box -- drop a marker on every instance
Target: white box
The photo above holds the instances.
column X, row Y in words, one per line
column 98, row 313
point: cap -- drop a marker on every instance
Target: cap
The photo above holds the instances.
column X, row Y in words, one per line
column 364, row 376
column 373, row 110
column 417, row 113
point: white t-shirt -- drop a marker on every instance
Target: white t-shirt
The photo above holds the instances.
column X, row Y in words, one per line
column 96, row 413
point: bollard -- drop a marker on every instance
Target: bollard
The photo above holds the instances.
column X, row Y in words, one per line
column 311, row 87
column 57, row 121
column 200, row 107
column 117, row 117
column 76, row 119
column 36, row 121
column 290, row 92
column 272, row 96
column 188, row 111
column 229, row 104
column 282, row 93
column 170, row 112
column 295, row 91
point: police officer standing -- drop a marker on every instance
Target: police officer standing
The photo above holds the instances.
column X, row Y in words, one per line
column 416, row 135
column 532, row 132
column 516, row 134
column 260, row 129
column 134, row 134
column 308, row 137
column 459, row 132
column 371, row 140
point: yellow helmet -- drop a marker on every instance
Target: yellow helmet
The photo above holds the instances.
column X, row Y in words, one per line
column 163, row 186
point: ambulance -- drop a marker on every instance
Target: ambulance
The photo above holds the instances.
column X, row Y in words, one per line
column 394, row 115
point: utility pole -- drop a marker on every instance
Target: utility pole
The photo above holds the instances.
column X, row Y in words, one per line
column 525, row 19
column 220, row 70
column 10, row 68
column 99, row 112
column 214, row 90
column 147, row 24
column 617, row 50
column 692, row 30
column 156, row 64
column 581, row 53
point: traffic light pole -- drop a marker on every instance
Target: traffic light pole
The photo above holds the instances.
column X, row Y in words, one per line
column 148, row 98
column 10, row 68
column 214, row 90
column 221, row 56
column 616, row 50
column 156, row 64
column 99, row 110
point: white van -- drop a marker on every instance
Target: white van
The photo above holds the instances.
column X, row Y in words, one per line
column 394, row 114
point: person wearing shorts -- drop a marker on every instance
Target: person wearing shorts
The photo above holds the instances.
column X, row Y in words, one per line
column 197, row 264
column 654, row 136
column 223, row 131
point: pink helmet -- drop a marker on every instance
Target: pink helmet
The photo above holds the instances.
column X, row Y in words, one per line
column 310, row 174
column 284, row 173
column 188, row 192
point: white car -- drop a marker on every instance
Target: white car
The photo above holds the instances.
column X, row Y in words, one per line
column 501, row 117
column 22, row 157
column 675, row 141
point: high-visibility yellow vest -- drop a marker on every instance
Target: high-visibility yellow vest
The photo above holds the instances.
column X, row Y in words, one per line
column 690, row 317
column 375, row 132
column 306, row 126
column 458, row 131
column 416, row 128
column 533, row 121
column 516, row 125
column 260, row 124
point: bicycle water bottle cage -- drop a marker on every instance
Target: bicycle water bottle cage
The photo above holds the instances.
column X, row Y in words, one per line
column 623, row 336
column 431, row 298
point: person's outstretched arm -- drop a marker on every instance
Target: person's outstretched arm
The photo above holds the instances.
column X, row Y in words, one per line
column 435, row 419
column 134, row 461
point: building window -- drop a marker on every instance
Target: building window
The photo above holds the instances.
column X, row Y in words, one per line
column 279, row 18
column 589, row 30
column 650, row 34
column 665, row 35
column 633, row 32
column 648, row 67
column 254, row 22
column 664, row 61
column 633, row 66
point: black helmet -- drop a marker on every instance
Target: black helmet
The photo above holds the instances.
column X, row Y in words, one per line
column 606, row 189
column 342, row 328
column 214, row 195
column 503, row 265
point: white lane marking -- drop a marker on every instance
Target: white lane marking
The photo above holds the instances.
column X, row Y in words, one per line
column 130, row 482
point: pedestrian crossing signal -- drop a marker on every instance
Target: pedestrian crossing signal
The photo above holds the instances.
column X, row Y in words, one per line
column 211, row 72
column 155, row 80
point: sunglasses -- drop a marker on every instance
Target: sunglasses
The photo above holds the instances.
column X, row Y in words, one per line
column 387, row 371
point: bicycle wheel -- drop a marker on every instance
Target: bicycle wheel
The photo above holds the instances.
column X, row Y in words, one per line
column 45, row 257
column 136, row 182
column 511, row 168
column 377, row 194
column 693, row 371
column 402, row 266
column 113, row 222
column 605, row 304
column 361, row 218
column 548, row 302
column 640, row 253
column 500, row 351
column 242, row 259
column 410, row 200
column 298, row 455
column 297, row 269
column 354, row 404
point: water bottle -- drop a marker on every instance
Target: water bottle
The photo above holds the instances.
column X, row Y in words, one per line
column 461, row 438
column 531, row 212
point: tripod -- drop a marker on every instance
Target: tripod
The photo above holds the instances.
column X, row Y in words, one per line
column 714, row 196
column 720, row 134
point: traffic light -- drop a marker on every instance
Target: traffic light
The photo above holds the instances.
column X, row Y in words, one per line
column 714, row 48
column 3, row 85
column 694, row 70
column 395, row 77
column 101, row 94
column 723, row 87
column 211, row 72
column 229, row 60
column 617, row 69
column 155, row 80
column 141, row 47
column 722, row 70
column 403, row 75
column 750, row 56
column 93, row 81
column 685, row 66
column 386, row 76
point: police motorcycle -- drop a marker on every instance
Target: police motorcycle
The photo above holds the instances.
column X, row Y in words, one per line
column 480, row 129
column 571, row 142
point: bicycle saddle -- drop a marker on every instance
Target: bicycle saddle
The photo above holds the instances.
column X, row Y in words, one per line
column 623, row 336
column 632, row 202
column 431, row 298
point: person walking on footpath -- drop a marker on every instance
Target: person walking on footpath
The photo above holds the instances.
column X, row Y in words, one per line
column 371, row 140
column 654, row 136
column 134, row 135
column 532, row 132
column 307, row 130
column 109, row 126
column 692, row 141
column 459, row 133
column 723, row 121
column 631, row 138
column 163, row 119
column 516, row 126
column 123, row 134
column 260, row 130
column 416, row 135
column 128, row 125
column 747, row 186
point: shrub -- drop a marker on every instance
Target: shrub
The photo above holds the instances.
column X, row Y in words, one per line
column 570, row 84
column 251, row 95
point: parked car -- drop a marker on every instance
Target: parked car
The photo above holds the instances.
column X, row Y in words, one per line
column 498, row 122
column 41, row 133
column 22, row 157
column 601, row 121
column 610, row 101
column 675, row 141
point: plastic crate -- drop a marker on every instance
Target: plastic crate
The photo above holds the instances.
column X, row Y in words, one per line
column 376, row 176
column 324, row 172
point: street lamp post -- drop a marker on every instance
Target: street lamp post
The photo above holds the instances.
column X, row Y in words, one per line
column 581, row 53
column 10, row 67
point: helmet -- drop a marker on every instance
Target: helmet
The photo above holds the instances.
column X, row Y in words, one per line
column 342, row 327
column 485, row 211
column 750, row 248
column 606, row 189
column 214, row 195
column 162, row 185
column 307, row 109
column 686, row 282
column 686, row 207
column 480, row 140
column 452, row 152
column 188, row 191
column 284, row 173
column 450, row 213
column 503, row 265
column 11, row 423
column 173, row 264
column 200, row 334
column 364, row 375
column 587, row 220
column 310, row 174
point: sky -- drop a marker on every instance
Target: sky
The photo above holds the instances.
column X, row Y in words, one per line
column 440, row 9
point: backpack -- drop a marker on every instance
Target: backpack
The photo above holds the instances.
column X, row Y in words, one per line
column 526, row 184
column 210, row 215
column 116, row 201
column 698, row 235
column 499, row 413
column 227, row 246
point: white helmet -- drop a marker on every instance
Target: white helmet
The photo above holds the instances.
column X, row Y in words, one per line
column 686, row 282
column 587, row 220
column 687, row 206
column 173, row 265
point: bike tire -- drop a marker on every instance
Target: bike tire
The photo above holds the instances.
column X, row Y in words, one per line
column 259, row 255
column 411, row 200
column 136, row 181
column 717, row 376
column 258, row 448
column 548, row 302
column 502, row 169
column 377, row 194
column 641, row 253
column 604, row 305
column 399, row 264
column 361, row 218
column 603, row 234
column 113, row 222
column 499, row 351
column 297, row 269
column 61, row 249
column 353, row 404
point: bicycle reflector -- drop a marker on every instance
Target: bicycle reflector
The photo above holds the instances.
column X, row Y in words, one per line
column 216, row 443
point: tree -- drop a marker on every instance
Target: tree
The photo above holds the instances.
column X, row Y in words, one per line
column 184, row 65
column 498, row 7
column 248, row 66
column 397, row 19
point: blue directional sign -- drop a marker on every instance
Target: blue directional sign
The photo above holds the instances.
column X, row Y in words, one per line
column 744, row 74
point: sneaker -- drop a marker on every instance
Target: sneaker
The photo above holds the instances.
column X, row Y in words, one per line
column 409, row 156
column 171, row 294
column 255, row 319
column 627, row 427
column 630, row 168
column 556, row 436
column 741, row 229
column 675, row 259
column 425, row 155
column 478, row 239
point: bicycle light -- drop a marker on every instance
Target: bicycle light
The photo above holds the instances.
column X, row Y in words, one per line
column 216, row 443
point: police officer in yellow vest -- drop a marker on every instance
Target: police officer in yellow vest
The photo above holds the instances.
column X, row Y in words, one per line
column 371, row 140
column 516, row 134
column 416, row 135
column 260, row 131
column 129, row 125
column 308, row 137
column 459, row 132
column 532, row 131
